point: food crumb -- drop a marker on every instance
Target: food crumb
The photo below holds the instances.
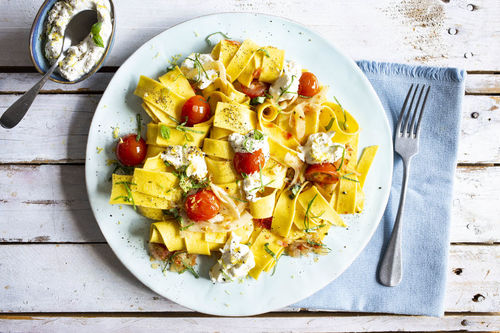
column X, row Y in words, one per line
column 99, row 149
column 154, row 265
column 115, row 132
column 196, row 34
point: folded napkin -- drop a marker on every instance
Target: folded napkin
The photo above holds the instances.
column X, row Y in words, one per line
column 426, row 219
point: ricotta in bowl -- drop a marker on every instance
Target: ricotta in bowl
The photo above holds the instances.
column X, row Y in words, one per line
column 79, row 59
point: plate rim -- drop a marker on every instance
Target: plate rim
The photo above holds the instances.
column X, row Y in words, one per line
column 371, row 90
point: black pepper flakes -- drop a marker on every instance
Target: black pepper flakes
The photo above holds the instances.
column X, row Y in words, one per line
column 474, row 115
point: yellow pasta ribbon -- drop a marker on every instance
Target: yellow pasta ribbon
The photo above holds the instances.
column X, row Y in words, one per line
column 157, row 184
column 119, row 193
column 221, row 171
column 167, row 233
column 263, row 207
column 341, row 122
column 225, row 51
column 284, row 213
column 241, row 59
column 177, row 82
column 365, row 162
column 265, row 241
column 319, row 207
column 235, row 117
column 218, row 148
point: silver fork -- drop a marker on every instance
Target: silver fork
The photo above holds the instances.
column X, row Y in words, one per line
column 406, row 145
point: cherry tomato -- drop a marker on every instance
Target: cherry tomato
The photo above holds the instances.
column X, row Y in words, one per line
column 308, row 84
column 255, row 89
column 248, row 163
column 129, row 151
column 322, row 173
column 202, row 205
column 264, row 223
column 196, row 110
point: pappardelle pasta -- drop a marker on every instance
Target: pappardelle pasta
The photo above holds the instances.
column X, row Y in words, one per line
column 245, row 158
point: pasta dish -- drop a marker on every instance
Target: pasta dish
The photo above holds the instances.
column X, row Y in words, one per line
column 246, row 158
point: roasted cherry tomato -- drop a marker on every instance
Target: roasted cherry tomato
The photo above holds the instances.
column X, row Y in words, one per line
column 264, row 223
column 196, row 110
column 255, row 89
column 202, row 205
column 322, row 173
column 129, row 151
column 248, row 163
column 308, row 84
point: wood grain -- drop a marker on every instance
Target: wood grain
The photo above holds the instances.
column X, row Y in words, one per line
column 447, row 33
column 91, row 279
column 297, row 323
column 54, row 200
column 60, row 122
column 480, row 84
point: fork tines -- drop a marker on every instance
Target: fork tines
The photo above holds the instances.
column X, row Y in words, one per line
column 406, row 123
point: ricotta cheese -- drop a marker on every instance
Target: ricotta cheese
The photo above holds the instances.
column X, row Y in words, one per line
column 235, row 263
column 203, row 76
column 190, row 157
column 79, row 59
column 320, row 148
column 250, row 142
column 252, row 184
column 287, row 85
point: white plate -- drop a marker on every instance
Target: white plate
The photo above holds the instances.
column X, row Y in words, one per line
column 295, row 279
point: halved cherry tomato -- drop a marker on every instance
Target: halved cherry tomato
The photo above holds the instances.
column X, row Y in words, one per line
column 131, row 152
column 248, row 163
column 308, row 84
column 322, row 173
column 255, row 89
column 196, row 110
column 264, row 223
column 202, row 205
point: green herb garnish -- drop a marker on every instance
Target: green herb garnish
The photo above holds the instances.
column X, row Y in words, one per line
column 330, row 124
column 351, row 179
column 129, row 197
column 284, row 91
column 257, row 100
column 271, row 253
column 266, row 53
column 294, row 191
column 95, row 30
column 199, row 67
column 186, row 227
column 207, row 39
column 344, row 124
column 237, row 199
column 165, row 132
column 139, row 127
column 309, row 217
column 313, row 243
column 342, row 160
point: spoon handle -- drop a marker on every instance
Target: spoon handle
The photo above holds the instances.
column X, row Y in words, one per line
column 13, row 115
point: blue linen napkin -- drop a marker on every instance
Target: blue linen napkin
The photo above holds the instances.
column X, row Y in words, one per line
column 426, row 219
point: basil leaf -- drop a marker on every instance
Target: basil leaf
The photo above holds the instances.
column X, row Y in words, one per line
column 96, row 29
column 257, row 100
column 165, row 132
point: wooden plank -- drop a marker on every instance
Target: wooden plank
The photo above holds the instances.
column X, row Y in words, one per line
column 485, row 84
column 21, row 82
column 482, row 84
column 479, row 131
column 54, row 130
column 55, row 197
column 61, row 122
column 89, row 278
column 446, row 33
column 266, row 323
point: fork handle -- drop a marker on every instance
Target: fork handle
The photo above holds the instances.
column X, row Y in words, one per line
column 391, row 267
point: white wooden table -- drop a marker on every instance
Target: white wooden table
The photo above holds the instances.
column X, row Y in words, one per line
column 57, row 272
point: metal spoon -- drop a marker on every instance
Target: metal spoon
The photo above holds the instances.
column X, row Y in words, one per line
column 75, row 32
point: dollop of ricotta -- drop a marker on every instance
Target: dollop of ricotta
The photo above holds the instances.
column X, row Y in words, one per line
column 287, row 85
column 320, row 148
column 201, row 68
column 252, row 184
column 235, row 263
column 190, row 157
column 250, row 142
column 79, row 59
